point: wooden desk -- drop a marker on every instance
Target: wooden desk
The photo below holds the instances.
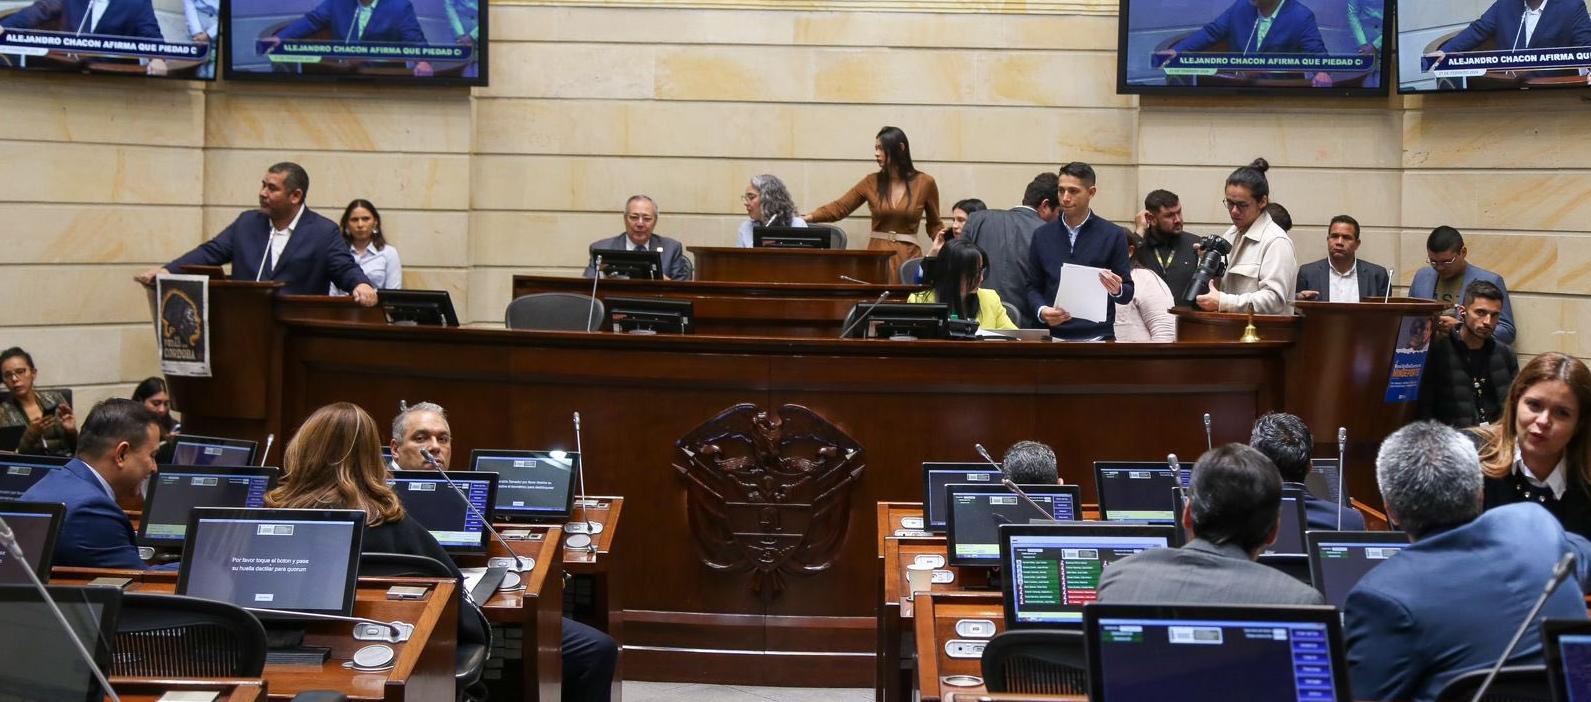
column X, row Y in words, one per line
column 1011, row 697
column 790, row 265
column 424, row 666
column 537, row 609
column 150, row 689
column 738, row 309
column 935, row 625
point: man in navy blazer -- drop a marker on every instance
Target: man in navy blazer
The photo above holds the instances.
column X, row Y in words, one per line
column 1448, row 604
column 284, row 240
column 1287, row 441
column 1082, row 238
column 390, row 21
column 1364, row 280
column 122, row 18
column 115, row 454
column 1449, row 276
column 640, row 221
column 1291, row 29
column 1561, row 23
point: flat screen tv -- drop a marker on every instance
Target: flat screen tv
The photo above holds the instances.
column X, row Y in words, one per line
column 1291, row 47
column 1463, row 45
column 417, row 42
column 129, row 37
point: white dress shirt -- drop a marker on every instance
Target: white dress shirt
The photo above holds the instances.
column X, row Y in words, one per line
column 279, row 239
column 1557, row 480
column 1532, row 17
column 96, row 10
column 1344, row 288
column 383, row 268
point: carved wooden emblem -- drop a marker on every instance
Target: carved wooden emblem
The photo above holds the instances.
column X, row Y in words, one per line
column 771, row 495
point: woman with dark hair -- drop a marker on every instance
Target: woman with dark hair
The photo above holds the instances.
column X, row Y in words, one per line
column 153, row 395
column 959, row 213
column 41, row 418
column 1541, row 450
column 1261, row 270
column 898, row 196
column 361, row 228
column 768, row 204
column 957, row 285
column 1148, row 317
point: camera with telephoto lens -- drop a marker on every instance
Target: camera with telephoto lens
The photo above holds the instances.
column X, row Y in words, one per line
column 1212, row 265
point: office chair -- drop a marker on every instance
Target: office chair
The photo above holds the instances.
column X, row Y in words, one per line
column 173, row 636
column 554, row 311
column 837, row 238
column 1012, row 312
column 475, row 642
column 1519, row 683
column 910, row 270
column 1042, row 661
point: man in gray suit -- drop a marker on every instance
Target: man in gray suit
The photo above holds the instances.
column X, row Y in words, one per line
column 640, row 218
column 1233, row 512
column 1341, row 276
column 1006, row 236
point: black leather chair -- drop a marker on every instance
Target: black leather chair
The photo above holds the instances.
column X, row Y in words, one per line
column 475, row 642
column 1520, row 683
column 1038, row 661
column 555, row 312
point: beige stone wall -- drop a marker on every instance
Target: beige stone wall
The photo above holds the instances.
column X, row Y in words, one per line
column 593, row 101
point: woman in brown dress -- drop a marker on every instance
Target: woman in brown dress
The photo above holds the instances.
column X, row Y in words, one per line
column 899, row 196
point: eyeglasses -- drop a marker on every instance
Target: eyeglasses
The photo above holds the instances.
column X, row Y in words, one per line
column 1442, row 264
column 1239, row 205
column 14, row 374
column 748, row 197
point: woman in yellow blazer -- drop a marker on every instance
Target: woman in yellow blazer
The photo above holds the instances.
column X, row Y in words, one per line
column 956, row 282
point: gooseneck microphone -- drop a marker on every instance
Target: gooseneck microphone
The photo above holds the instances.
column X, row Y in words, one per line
column 8, row 540
column 580, row 473
column 508, row 583
column 1209, row 444
column 847, row 330
column 266, row 454
column 1560, row 573
column 1342, row 470
column 591, row 309
column 1391, row 274
column 849, row 279
column 1011, row 485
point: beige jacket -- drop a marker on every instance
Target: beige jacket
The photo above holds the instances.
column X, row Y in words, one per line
column 1261, row 270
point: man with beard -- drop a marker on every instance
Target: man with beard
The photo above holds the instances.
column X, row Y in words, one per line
column 1168, row 251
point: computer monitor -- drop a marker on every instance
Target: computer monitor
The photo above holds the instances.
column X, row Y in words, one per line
column 35, row 525
column 1206, row 653
column 900, row 321
column 1566, row 646
column 190, row 450
column 38, row 663
column 1138, row 490
column 299, row 560
column 976, row 511
column 938, row 474
column 1053, row 570
column 176, row 490
column 789, row 238
column 1322, row 479
column 442, row 510
column 1338, row 559
column 531, row 485
column 419, row 308
column 649, row 315
column 1290, row 535
column 19, row 472
column 634, row 265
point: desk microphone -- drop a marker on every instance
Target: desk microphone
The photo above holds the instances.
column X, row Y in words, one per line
column 847, row 330
column 1209, row 445
column 8, row 540
column 1176, row 467
column 849, row 279
column 1342, row 470
column 266, row 454
column 1560, row 573
column 580, row 474
column 400, row 630
column 1391, row 272
column 591, row 310
column 509, row 583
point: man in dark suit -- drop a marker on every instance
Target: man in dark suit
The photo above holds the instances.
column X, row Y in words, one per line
column 1261, row 26
column 115, row 454
column 1525, row 24
column 1168, row 250
column 640, row 219
column 1007, row 236
column 384, row 21
column 1341, row 276
column 1082, row 238
column 1233, row 511
column 283, row 240
column 121, row 18
column 1286, row 440
column 1448, row 604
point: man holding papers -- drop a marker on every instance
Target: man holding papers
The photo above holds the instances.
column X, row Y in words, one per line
column 1079, row 304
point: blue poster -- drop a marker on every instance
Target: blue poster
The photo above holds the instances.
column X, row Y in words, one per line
column 1408, row 361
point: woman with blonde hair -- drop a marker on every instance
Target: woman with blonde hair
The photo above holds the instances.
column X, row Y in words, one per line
column 1541, row 449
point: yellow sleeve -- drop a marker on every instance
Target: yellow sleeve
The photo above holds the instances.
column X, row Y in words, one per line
column 991, row 311
column 925, row 296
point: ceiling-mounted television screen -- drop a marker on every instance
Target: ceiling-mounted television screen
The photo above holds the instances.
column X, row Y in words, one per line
column 161, row 38
column 1334, row 47
column 1458, row 45
column 432, row 42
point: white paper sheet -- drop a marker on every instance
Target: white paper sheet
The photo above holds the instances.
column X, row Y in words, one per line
column 1081, row 294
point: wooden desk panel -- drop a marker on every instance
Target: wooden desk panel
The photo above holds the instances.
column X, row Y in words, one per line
column 719, row 263
column 936, row 625
column 151, row 689
column 537, row 608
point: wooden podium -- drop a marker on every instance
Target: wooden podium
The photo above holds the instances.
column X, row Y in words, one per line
column 790, row 265
column 1337, row 371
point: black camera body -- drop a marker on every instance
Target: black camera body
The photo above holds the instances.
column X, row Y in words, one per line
column 1212, row 265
